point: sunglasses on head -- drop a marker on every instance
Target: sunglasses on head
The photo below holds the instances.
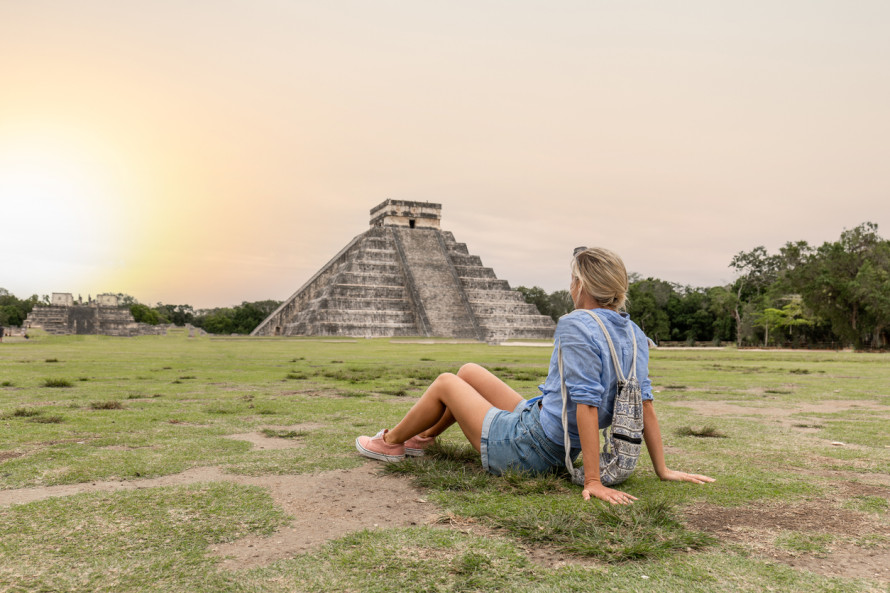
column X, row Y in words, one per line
column 578, row 250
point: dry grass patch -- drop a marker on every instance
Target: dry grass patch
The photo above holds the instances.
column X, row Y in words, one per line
column 703, row 432
column 47, row 419
column 107, row 405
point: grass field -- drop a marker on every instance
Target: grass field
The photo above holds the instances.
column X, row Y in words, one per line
column 128, row 464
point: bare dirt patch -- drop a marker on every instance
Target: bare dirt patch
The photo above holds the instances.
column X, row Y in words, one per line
column 863, row 489
column 271, row 443
column 841, row 475
column 303, row 426
column 814, row 516
column 262, row 442
column 757, row 527
column 5, row 455
column 851, row 563
column 25, row 495
column 327, row 506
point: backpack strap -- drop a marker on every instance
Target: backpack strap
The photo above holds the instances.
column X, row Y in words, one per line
column 577, row 475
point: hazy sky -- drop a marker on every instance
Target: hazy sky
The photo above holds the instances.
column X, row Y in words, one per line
column 220, row 151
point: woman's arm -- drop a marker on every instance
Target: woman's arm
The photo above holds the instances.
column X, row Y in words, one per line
column 652, row 435
column 588, row 430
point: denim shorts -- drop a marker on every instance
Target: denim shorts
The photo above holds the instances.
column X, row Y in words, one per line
column 516, row 441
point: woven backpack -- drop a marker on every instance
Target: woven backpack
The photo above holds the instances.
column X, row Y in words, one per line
column 623, row 440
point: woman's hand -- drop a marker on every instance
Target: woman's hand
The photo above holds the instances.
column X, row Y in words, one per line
column 597, row 490
column 670, row 475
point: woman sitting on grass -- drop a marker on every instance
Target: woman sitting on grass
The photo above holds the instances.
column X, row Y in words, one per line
column 528, row 435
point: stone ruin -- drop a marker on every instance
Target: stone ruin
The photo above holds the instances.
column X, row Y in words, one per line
column 104, row 317
column 406, row 277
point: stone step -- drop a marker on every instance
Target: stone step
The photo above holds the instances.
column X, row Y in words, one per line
column 535, row 321
column 375, row 253
column 494, row 296
column 355, row 316
column 377, row 243
column 381, row 268
column 484, row 284
column 502, row 335
column 363, row 304
column 368, row 292
column 351, row 329
column 379, row 261
column 461, row 259
column 503, row 308
column 475, row 272
column 365, row 279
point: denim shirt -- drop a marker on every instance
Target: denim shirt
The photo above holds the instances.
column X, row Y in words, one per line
column 589, row 371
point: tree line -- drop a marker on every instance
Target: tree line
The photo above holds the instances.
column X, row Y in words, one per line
column 833, row 295
column 240, row 319
column 13, row 311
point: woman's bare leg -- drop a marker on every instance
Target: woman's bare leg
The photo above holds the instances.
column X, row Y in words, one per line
column 473, row 389
column 448, row 392
column 490, row 387
column 498, row 394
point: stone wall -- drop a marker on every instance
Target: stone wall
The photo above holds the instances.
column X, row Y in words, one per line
column 89, row 320
column 62, row 299
column 408, row 214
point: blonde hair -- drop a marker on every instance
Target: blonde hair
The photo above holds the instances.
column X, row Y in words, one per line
column 602, row 275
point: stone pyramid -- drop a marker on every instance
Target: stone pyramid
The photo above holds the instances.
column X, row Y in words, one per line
column 406, row 277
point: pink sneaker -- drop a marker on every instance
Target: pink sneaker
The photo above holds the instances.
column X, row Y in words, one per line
column 416, row 444
column 376, row 448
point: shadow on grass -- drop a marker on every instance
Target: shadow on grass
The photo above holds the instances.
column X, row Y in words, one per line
column 548, row 510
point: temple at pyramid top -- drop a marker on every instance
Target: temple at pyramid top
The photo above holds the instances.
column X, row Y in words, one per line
column 404, row 276
column 419, row 215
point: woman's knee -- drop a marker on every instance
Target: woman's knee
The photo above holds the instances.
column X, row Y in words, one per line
column 446, row 379
column 470, row 369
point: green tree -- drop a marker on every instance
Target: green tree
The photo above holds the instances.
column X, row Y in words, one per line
column 646, row 303
column 241, row 319
column 175, row 314
column 873, row 290
column 144, row 314
column 722, row 302
column 560, row 303
column 757, row 270
column 769, row 318
column 538, row 297
column 845, row 282
column 14, row 311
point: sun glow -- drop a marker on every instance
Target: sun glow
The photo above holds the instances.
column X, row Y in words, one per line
column 64, row 187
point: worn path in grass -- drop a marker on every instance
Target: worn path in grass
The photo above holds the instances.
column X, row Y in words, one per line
column 324, row 506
